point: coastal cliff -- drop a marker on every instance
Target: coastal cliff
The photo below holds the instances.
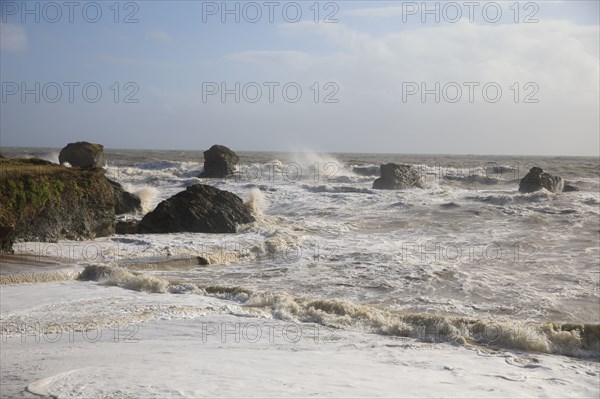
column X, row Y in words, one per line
column 41, row 201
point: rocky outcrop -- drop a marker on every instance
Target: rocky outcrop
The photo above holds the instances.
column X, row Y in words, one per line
column 83, row 154
column 125, row 202
column 199, row 209
column 41, row 201
column 219, row 161
column 398, row 177
column 537, row 179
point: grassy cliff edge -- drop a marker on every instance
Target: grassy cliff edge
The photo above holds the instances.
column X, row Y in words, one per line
column 41, row 201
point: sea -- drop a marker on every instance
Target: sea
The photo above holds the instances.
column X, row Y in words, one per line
column 466, row 260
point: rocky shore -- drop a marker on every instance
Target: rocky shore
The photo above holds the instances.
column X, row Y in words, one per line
column 43, row 201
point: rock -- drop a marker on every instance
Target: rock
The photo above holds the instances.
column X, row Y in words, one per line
column 198, row 209
column 398, row 177
column 126, row 227
column 219, row 161
column 569, row 188
column 449, row 205
column 125, row 202
column 537, row 179
column 83, row 154
column 41, row 201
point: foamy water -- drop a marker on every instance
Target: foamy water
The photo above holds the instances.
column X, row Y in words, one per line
column 466, row 252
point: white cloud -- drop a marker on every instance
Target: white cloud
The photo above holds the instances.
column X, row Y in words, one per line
column 13, row 38
column 160, row 36
column 559, row 56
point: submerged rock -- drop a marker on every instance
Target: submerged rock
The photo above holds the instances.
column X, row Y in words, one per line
column 125, row 202
column 198, row 209
column 83, row 154
column 398, row 177
column 569, row 188
column 537, row 179
column 219, row 161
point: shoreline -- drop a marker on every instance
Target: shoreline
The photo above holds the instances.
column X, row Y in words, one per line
column 195, row 346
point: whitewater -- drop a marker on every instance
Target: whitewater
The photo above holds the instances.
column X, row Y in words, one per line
column 464, row 288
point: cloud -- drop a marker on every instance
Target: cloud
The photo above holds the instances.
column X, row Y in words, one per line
column 12, row 38
column 159, row 36
column 559, row 56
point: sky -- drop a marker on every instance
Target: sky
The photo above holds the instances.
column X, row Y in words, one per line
column 478, row 77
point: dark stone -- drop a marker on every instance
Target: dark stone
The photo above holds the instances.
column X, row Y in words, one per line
column 449, row 205
column 569, row 188
column 83, row 154
column 219, row 161
column 398, row 177
column 198, row 209
column 537, row 179
column 125, row 202
column 127, row 227
column 202, row 261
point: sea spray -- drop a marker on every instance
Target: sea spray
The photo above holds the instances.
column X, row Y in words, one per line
column 255, row 201
column 147, row 196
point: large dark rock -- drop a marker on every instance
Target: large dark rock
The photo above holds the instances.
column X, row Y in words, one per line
column 198, row 209
column 398, row 177
column 83, row 154
column 219, row 161
column 125, row 202
column 537, row 179
column 41, row 201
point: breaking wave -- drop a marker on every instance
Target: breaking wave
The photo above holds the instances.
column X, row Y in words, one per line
column 121, row 277
column 582, row 340
column 28, row 278
column 566, row 339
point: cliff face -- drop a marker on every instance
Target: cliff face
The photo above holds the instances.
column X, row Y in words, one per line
column 40, row 201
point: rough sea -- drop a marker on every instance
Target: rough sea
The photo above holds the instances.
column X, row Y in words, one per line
column 466, row 259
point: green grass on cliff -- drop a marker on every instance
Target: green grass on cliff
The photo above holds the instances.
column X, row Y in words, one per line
column 25, row 182
column 29, row 184
column 37, row 195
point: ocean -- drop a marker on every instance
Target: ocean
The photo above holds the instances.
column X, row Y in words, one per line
column 466, row 261
column 468, row 245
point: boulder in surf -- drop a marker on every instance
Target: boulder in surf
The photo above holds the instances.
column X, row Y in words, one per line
column 219, row 162
column 398, row 177
column 198, row 209
column 537, row 179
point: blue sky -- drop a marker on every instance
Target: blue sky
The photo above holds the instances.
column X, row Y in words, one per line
column 355, row 76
